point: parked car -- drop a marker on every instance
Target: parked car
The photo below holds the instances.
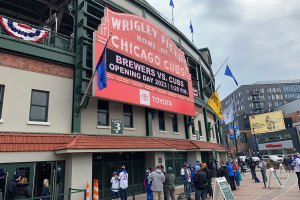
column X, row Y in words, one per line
column 256, row 159
column 273, row 158
column 242, row 158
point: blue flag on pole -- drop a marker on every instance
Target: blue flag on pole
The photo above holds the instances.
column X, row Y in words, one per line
column 191, row 27
column 101, row 70
column 229, row 73
column 171, row 4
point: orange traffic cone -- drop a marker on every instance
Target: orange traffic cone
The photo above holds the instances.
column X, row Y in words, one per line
column 96, row 190
column 87, row 191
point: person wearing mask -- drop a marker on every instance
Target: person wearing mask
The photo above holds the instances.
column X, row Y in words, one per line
column 296, row 164
column 169, row 185
column 186, row 177
column 147, row 184
column 157, row 178
column 115, row 185
column 200, row 183
column 45, row 190
column 123, row 176
column 231, row 176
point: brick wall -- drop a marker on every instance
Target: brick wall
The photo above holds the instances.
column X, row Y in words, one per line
column 295, row 116
column 34, row 65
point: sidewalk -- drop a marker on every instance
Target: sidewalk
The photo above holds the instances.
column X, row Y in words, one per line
column 256, row 191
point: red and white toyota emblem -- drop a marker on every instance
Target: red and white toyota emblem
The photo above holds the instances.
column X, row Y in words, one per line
column 145, row 97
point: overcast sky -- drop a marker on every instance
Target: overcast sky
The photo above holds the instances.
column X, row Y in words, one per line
column 260, row 37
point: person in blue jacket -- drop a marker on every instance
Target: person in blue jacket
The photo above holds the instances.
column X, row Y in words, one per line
column 147, row 184
column 231, row 176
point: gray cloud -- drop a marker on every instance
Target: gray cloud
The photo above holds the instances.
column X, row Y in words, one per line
column 262, row 38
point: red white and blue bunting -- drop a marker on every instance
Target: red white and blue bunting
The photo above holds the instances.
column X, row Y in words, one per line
column 23, row 31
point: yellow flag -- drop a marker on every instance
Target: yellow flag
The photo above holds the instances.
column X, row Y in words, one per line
column 215, row 104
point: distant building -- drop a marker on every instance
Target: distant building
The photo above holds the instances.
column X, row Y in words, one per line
column 263, row 96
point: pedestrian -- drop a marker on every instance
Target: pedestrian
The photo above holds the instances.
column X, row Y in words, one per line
column 192, row 168
column 231, row 176
column 157, row 178
column 123, row 176
column 186, row 177
column 296, row 164
column 147, row 184
column 18, row 188
column 115, row 185
column 286, row 163
column 237, row 174
column 252, row 166
column 222, row 171
column 169, row 184
column 45, row 190
column 263, row 168
column 209, row 175
column 200, row 183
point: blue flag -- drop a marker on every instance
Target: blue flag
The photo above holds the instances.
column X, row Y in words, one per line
column 229, row 73
column 172, row 4
column 101, row 70
column 191, row 27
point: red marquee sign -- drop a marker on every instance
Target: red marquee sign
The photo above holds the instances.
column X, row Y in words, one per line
column 273, row 145
column 144, row 66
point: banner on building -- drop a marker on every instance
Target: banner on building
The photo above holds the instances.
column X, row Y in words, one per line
column 144, row 66
column 215, row 104
column 23, row 31
column 267, row 122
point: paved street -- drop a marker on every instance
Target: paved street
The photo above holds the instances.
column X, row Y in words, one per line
column 256, row 191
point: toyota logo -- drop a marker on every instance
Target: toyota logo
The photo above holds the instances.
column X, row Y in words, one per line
column 145, row 97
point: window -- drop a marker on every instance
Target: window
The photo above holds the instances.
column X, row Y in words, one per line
column 200, row 128
column 174, row 122
column 128, row 117
column 278, row 89
column 270, row 104
column 161, row 121
column 247, row 91
column 103, row 113
column 193, row 128
column 39, row 106
column 1, row 99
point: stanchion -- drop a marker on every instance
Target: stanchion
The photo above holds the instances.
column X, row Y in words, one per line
column 87, row 189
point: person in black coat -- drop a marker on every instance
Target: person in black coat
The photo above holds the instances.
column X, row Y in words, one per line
column 45, row 190
column 200, row 183
column 222, row 171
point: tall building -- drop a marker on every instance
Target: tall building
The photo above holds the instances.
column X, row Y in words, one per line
column 262, row 96
column 152, row 110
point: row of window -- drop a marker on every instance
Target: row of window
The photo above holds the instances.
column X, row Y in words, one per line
column 38, row 105
column 292, row 96
column 291, row 88
column 103, row 116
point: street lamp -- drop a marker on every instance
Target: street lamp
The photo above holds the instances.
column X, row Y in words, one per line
column 256, row 144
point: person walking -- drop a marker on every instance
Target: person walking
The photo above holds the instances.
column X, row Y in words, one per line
column 123, row 176
column 231, row 176
column 147, row 184
column 157, row 178
column 169, row 185
column 186, row 177
column 200, row 183
column 263, row 168
column 296, row 164
column 115, row 185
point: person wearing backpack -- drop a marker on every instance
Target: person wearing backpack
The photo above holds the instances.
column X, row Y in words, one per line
column 200, row 183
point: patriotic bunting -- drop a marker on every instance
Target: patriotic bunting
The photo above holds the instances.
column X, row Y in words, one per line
column 22, row 31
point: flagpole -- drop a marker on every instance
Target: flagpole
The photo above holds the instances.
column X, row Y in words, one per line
column 214, row 124
column 217, row 72
column 206, row 102
column 193, row 37
column 172, row 15
column 91, row 80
